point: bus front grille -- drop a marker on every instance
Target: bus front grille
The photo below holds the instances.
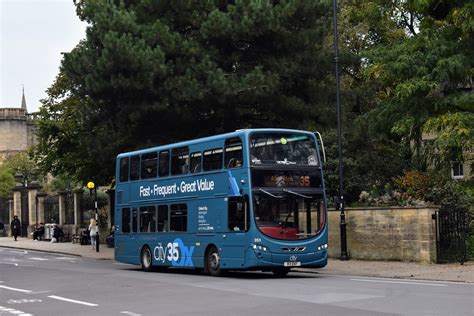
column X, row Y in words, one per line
column 293, row 249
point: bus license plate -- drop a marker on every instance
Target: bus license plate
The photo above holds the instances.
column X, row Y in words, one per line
column 291, row 264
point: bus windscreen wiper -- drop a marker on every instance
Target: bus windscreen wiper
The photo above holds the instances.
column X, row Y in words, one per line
column 297, row 194
column 272, row 195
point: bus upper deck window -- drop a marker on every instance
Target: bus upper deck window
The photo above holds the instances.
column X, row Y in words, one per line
column 195, row 166
column 135, row 168
column 124, row 169
column 212, row 159
column 149, row 165
column 179, row 160
column 164, row 164
column 233, row 156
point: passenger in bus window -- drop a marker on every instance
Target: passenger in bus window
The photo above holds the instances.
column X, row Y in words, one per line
column 185, row 165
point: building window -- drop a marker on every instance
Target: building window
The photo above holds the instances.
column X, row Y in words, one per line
column 457, row 170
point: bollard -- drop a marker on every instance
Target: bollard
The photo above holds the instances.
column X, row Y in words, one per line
column 97, row 241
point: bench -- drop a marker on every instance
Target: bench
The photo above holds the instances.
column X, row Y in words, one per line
column 76, row 238
column 66, row 237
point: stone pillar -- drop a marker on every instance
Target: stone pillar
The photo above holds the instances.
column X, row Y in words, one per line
column 32, row 205
column 77, row 207
column 110, row 208
column 41, row 196
column 10, row 211
column 17, row 202
column 62, row 207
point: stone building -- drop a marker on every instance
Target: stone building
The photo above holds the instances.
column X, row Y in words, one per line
column 17, row 129
column 17, row 134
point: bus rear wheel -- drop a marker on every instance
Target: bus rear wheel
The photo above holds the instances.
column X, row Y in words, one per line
column 146, row 259
column 280, row 272
column 213, row 262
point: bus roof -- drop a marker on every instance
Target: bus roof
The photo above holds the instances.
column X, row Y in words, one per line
column 239, row 132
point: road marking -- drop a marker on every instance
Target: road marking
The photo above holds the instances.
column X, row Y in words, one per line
column 71, row 300
column 348, row 276
column 14, row 289
column 65, row 258
column 24, row 252
column 130, row 313
column 39, row 259
column 398, row 282
column 12, row 264
column 69, row 259
column 13, row 311
column 24, row 300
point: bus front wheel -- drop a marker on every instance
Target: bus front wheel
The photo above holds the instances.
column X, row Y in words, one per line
column 213, row 262
column 146, row 259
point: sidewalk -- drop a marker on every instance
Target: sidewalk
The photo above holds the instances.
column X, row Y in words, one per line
column 67, row 248
column 382, row 269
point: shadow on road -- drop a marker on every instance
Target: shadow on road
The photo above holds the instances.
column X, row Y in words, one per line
column 249, row 275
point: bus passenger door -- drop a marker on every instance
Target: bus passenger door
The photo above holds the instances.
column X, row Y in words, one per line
column 126, row 245
column 238, row 222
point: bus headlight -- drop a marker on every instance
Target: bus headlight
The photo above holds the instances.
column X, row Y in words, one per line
column 323, row 247
column 259, row 248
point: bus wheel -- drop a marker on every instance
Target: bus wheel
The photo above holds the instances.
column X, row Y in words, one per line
column 213, row 262
column 145, row 259
column 280, row 272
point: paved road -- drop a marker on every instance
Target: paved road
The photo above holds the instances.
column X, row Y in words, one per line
column 34, row 283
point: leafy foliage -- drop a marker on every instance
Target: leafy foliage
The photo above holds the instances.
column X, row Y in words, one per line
column 426, row 78
column 7, row 182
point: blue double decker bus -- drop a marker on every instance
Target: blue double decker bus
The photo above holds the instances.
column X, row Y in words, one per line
column 252, row 199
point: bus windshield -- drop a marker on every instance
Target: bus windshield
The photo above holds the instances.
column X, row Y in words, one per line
column 282, row 149
column 288, row 217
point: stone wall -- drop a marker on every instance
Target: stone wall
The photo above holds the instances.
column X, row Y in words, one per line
column 13, row 128
column 404, row 234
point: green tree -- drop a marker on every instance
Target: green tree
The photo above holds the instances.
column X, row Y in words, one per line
column 7, row 182
column 425, row 79
column 372, row 156
column 153, row 72
column 20, row 163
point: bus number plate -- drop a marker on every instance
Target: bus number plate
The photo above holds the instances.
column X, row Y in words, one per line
column 292, row 264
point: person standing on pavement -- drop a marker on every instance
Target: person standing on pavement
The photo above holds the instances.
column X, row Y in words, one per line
column 93, row 232
column 16, row 227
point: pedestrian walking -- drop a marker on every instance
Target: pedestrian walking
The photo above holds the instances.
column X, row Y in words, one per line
column 16, row 227
column 93, row 232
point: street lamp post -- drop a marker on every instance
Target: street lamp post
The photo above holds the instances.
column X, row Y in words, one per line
column 340, row 199
column 91, row 186
column 22, row 186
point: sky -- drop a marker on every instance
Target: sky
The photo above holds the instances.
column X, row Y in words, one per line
column 33, row 34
